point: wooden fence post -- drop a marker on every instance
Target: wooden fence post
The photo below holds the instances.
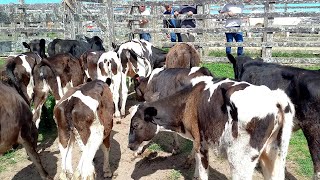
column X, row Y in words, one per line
column 267, row 36
column 133, row 24
column 110, row 23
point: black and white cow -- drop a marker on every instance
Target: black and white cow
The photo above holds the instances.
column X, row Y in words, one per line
column 301, row 85
column 74, row 47
column 16, row 126
column 245, row 123
column 85, row 113
column 143, row 56
column 37, row 46
column 103, row 66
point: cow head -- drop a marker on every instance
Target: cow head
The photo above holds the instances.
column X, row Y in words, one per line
column 37, row 46
column 142, row 127
column 115, row 47
column 238, row 64
column 96, row 43
column 140, row 85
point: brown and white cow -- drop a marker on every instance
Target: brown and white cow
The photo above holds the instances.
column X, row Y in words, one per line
column 164, row 82
column 85, row 113
column 16, row 126
column 55, row 74
column 17, row 72
column 245, row 123
column 182, row 55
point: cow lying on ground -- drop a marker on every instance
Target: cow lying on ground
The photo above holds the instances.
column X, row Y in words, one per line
column 85, row 111
column 246, row 123
column 55, row 74
column 17, row 126
column 301, row 85
column 74, row 47
column 164, row 82
column 182, row 55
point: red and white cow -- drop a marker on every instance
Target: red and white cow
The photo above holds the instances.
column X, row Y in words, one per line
column 16, row 126
column 245, row 123
column 85, row 113
column 55, row 74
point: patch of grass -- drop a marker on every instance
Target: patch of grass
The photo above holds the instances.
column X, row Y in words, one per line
column 8, row 159
column 257, row 53
column 155, row 147
column 174, row 175
column 299, row 153
column 220, row 69
column 2, row 61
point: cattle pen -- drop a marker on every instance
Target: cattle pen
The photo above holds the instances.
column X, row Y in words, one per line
column 117, row 21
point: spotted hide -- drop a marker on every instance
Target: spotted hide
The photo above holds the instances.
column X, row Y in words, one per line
column 182, row 55
column 301, row 85
column 18, row 72
column 108, row 67
column 16, row 126
column 245, row 123
column 85, row 113
column 55, row 75
column 164, row 82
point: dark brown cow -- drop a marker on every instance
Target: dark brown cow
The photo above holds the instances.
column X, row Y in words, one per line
column 182, row 55
column 55, row 74
column 85, row 113
column 16, row 126
column 245, row 123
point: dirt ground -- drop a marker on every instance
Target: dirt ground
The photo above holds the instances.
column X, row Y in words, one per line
column 156, row 166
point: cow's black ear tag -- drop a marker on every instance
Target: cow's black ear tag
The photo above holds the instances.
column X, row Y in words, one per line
column 149, row 112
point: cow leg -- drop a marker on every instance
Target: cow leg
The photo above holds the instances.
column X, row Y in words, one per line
column 106, row 149
column 116, row 96
column 202, row 164
column 124, row 94
column 312, row 133
column 85, row 169
column 66, row 157
column 31, row 151
column 39, row 99
column 176, row 144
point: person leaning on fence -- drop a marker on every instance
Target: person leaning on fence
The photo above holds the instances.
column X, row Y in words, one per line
column 230, row 10
column 189, row 10
column 171, row 23
column 144, row 22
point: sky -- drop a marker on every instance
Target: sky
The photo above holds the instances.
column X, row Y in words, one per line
column 29, row 1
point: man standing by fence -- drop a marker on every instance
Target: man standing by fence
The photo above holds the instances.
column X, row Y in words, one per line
column 144, row 23
column 189, row 10
column 230, row 10
column 172, row 23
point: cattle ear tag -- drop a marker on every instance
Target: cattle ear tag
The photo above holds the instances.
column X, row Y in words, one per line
column 149, row 112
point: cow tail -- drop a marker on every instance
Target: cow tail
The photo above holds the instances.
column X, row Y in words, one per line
column 286, row 114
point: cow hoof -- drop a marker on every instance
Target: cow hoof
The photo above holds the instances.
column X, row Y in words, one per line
column 76, row 175
column 107, row 174
column 63, row 176
column 188, row 163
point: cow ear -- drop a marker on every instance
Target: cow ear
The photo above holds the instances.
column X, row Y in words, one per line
column 149, row 112
column 26, row 45
column 114, row 46
column 88, row 39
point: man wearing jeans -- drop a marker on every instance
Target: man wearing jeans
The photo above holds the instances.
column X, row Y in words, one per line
column 230, row 10
column 172, row 23
column 144, row 23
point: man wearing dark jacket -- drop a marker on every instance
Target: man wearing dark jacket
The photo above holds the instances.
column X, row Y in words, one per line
column 172, row 23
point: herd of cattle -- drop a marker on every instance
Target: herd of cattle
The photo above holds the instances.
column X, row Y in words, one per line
column 247, row 120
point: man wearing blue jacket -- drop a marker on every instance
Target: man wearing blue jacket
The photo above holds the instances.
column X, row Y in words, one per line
column 172, row 23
